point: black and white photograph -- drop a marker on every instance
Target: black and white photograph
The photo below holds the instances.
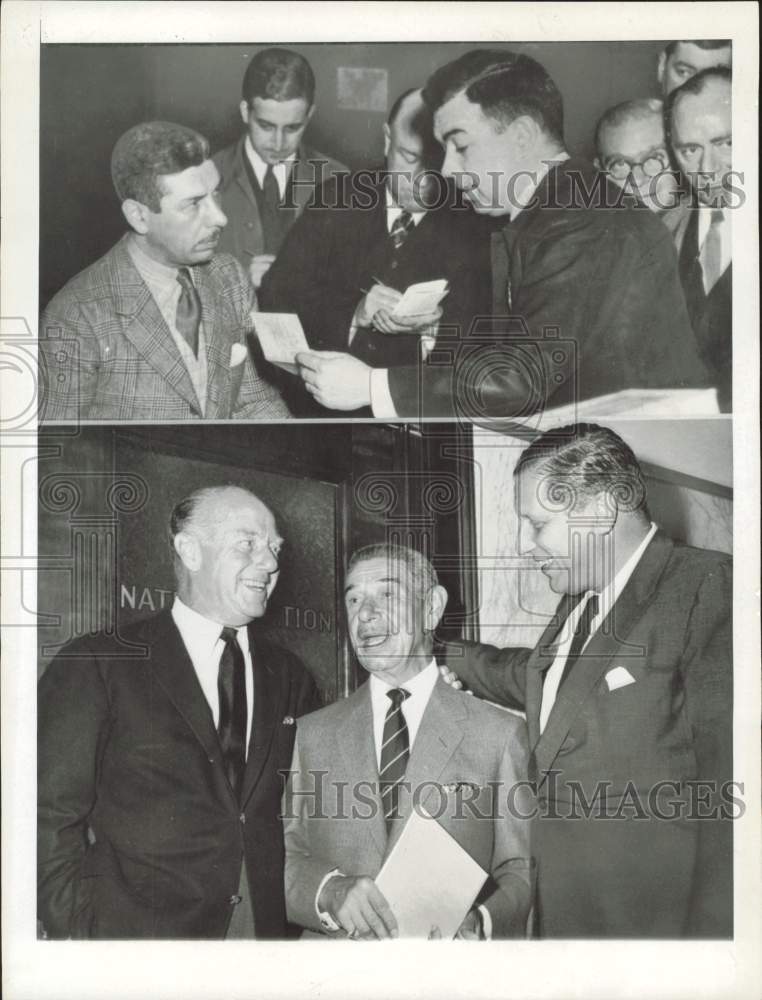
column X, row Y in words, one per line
column 380, row 535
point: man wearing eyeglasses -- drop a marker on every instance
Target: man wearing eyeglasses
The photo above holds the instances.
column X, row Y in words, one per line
column 632, row 150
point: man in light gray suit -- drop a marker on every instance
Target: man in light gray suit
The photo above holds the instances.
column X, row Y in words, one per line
column 403, row 741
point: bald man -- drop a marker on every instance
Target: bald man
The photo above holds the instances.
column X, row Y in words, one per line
column 159, row 756
column 632, row 150
column 347, row 261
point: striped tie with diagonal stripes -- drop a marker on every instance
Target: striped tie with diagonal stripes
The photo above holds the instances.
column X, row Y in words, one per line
column 395, row 750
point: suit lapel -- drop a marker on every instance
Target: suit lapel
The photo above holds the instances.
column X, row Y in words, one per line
column 304, row 178
column 357, row 747
column 439, row 735
column 173, row 670
column 540, row 659
column 145, row 328
column 268, row 711
column 602, row 648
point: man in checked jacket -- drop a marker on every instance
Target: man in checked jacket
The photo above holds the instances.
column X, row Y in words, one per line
column 157, row 328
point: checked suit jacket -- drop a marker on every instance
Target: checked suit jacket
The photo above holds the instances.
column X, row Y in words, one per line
column 630, row 877
column 461, row 742
column 106, row 352
column 139, row 833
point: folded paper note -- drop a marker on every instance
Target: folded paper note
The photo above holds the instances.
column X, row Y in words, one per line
column 429, row 880
column 281, row 336
column 420, row 299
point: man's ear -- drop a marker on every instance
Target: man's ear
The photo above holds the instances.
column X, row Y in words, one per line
column 310, row 113
column 525, row 132
column 387, row 139
column 661, row 66
column 243, row 107
column 188, row 550
column 604, row 510
column 436, row 602
column 137, row 215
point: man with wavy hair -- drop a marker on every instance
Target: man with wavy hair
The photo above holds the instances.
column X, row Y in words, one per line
column 628, row 701
column 157, row 328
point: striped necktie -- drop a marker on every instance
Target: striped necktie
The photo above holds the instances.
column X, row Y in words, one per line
column 395, row 751
column 400, row 230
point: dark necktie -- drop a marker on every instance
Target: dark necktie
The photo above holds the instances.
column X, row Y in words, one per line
column 710, row 255
column 188, row 315
column 395, row 750
column 269, row 208
column 581, row 635
column 231, row 686
column 401, row 228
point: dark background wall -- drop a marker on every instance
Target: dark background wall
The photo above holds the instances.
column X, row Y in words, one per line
column 105, row 495
column 90, row 94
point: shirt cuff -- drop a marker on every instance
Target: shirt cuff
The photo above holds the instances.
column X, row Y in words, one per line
column 486, row 922
column 381, row 402
column 325, row 918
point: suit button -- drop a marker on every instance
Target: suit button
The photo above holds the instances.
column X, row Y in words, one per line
column 235, row 900
column 242, row 818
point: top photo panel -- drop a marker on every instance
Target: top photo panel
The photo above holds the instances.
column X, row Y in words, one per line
column 480, row 232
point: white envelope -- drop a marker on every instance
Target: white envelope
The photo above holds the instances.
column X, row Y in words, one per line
column 428, row 879
column 619, row 677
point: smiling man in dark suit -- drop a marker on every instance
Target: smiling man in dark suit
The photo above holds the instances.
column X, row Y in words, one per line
column 158, row 756
column 628, row 701
column 157, row 328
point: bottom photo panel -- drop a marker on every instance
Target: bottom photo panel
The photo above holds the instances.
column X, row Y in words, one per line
column 361, row 681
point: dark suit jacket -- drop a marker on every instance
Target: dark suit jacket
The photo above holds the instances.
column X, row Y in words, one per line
column 460, row 742
column 671, row 630
column 332, row 256
column 243, row 236
column 586, row 301
column 127, row 747
column 106, row 352
column 711, row 315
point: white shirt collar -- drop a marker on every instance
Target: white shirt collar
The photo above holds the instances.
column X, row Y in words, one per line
column 200, row 632
column 610, row 594
column 280, row 170
column 413, row 707
column 607, row 597
column 526, row 185
column 393, row 211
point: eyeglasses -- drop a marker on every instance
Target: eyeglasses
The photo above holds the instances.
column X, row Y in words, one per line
column 621, row 167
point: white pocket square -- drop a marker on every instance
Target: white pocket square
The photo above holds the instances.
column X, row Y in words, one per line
column 237, row 355
column 619, row 677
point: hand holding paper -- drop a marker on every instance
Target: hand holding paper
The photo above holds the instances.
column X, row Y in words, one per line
column 336, row 380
